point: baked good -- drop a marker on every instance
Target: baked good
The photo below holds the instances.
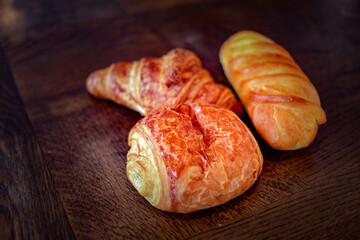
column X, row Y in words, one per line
column 282, row 103
column 150, row 83
column 192, row 156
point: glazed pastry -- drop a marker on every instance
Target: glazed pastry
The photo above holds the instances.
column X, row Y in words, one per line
column 150, row 83
column 192, row 156
column 282, row 103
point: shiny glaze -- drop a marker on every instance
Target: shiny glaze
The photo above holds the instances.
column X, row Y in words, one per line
column 282, row 103
column 150, row 83
column 209, row 154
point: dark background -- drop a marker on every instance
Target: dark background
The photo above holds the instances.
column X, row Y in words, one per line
column 63, row 152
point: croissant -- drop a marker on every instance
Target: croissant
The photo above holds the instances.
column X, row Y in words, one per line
column 282, row 103
column 150, row 83
column 192, row 156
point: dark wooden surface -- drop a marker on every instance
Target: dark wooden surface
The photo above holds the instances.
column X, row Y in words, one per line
column 63, row 153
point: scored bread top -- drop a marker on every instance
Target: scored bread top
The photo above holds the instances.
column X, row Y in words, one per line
column 282, row 103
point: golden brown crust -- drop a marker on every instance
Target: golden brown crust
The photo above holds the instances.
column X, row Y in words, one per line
column 198, row 156
column 281, row 101
column 150, row 83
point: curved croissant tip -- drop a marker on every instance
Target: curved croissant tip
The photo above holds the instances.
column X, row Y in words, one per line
column 91, row 82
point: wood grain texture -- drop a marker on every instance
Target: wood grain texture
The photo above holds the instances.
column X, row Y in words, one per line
column 29, row 204
column 306, row 194
column 304, row 215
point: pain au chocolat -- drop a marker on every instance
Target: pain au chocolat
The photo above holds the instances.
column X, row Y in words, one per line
column 150, row 83
column 192, row 156
column 282, row 103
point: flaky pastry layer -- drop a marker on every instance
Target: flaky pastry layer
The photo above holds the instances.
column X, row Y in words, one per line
column 192, row 156
column 151, row 83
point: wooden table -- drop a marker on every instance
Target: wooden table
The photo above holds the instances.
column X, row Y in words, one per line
column 63, row 152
